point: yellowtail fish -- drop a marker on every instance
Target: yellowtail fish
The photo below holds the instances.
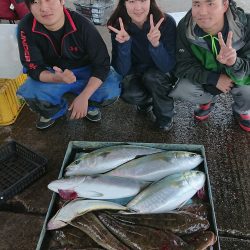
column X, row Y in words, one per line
column 157, row 166
column 107, row 158
column 168, row 193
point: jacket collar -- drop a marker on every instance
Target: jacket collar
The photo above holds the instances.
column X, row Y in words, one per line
column 133, row 28
column 69, row 24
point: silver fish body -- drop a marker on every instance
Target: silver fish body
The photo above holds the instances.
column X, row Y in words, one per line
column 168, row 193
column 157, row 166
column 97, row 187
column 77, row 208
column 105, row 159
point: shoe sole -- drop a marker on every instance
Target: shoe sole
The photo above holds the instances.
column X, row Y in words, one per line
column 42, row 128
column 143, row 111
column 201, row 118
column 238, row 118
column 247, row 129
column 167, row 130
column 93, row 120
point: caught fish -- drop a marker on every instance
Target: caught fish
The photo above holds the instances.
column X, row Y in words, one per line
column 156, row 166
column 70, row 238
column 180, row 223
column 201, row 240
column 77, row 208
column 199, row 209
column 90, row 225
column 95, row 187
column 140, row 237
column 168, row 193
column 105, row 159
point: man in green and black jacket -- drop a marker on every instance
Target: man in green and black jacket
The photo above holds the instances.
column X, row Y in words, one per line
column 213, row 57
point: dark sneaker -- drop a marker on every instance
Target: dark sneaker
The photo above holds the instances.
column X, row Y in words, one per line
column 94, row 115
column 244, row 121
column 44, row 123
column 146, row 108
column 165, row 126
column 203, row 111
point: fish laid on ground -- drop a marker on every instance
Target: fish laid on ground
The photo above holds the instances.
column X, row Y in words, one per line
column 141, row 238
column 180, row 223
column 105, row 159
column 90, row 225
column 77, row 208
column 201, row 240
column 157, row 166
column 71, row 238
column 199, row 209
column 95, row 187
column 168, row 193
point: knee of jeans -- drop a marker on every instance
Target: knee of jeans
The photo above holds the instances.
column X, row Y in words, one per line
column 113, row 76
column 27, row 88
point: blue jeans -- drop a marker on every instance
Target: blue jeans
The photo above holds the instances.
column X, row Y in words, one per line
column 47, row 98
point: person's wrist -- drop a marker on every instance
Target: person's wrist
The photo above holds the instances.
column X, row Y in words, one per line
column 231, row 64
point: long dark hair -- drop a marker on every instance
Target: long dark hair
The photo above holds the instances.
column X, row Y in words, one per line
column 121, row 11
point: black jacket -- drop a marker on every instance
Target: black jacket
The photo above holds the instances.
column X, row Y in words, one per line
column 81, row 45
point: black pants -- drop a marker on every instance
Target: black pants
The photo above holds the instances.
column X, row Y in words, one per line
column 150, row 86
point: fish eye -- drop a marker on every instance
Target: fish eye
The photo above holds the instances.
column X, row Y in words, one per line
column 77, row 162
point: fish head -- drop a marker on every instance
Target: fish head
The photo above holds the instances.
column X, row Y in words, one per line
column 194, row 155
column 196, row 179
column 190, row 155
column 75, row 164
column 55, row 224
column 66, row 183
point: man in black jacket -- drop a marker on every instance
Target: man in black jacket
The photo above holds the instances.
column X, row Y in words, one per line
column 63, row 52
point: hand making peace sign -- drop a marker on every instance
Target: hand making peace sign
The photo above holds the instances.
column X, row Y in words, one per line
column 227, row 53
column 154, row 34
column 121, row 35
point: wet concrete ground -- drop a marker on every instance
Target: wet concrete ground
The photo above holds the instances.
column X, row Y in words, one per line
column 227, row 151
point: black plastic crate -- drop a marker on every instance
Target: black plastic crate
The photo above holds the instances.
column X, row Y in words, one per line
column 19, row 167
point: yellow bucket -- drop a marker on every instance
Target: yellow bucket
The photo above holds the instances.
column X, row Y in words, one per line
column 10, row 105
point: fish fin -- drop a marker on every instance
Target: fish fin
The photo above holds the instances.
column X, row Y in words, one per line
column 91, row 194
column 183, row 203
column 128, row 211
column 67, row 194
column 94, row 176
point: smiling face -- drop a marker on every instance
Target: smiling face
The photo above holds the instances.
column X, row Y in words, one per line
column 49, row 13
column 138, row 10
column 209, row 14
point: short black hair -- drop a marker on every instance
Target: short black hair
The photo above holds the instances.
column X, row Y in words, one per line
column 28, row 3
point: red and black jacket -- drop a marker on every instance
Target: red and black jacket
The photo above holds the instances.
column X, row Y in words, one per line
column 81, row 45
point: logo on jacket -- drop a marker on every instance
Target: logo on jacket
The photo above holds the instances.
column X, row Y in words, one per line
column 73, row 48
column 25, row 46
column 32, row 66
column 181, row 50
